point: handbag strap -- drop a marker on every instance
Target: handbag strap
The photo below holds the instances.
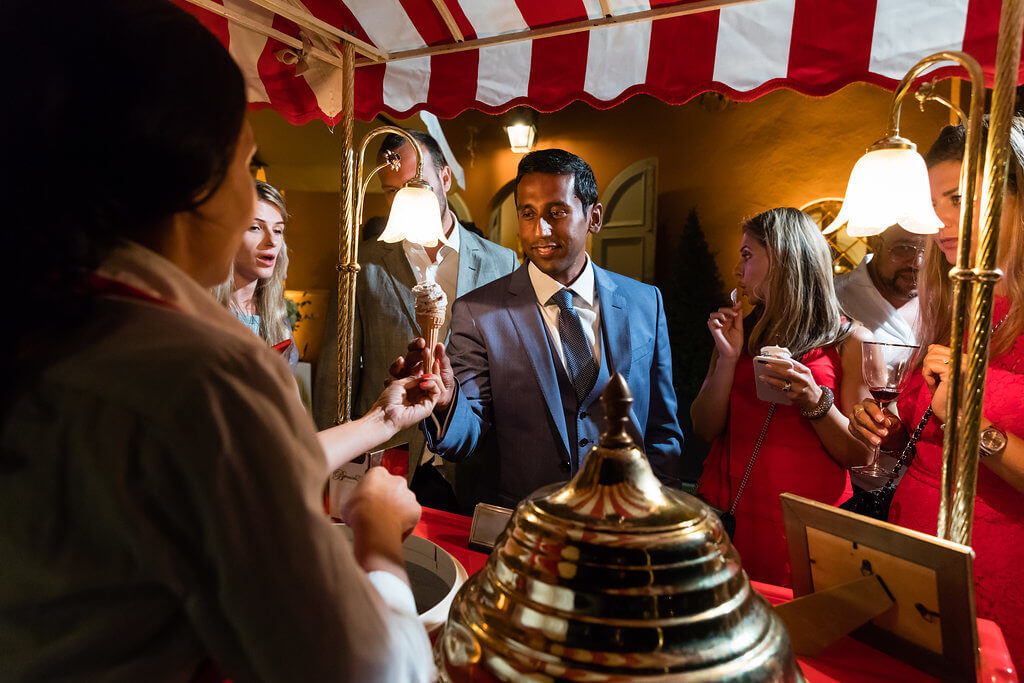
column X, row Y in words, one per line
column 753, row 458
column 907, row 456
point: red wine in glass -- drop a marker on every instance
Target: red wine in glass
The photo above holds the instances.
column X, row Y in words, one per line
column 884, row 394
column 886, row 368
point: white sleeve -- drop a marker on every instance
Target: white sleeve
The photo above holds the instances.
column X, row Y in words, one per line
column 405, row 629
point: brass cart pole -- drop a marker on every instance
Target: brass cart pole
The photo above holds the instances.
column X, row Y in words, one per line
column 347, row 266
column 956, row 511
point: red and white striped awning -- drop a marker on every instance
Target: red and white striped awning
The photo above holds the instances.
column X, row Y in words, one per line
column 445, row 56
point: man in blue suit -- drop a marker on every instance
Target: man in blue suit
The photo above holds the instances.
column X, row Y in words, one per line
column 530, row 353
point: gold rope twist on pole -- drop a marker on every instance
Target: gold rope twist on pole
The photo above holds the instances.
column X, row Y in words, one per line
column 347, row 266
column 960, row 274
column 985, row 275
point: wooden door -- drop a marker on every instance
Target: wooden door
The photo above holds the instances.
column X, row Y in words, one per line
column 627, row 239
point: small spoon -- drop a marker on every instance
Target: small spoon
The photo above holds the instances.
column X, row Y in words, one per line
column 734, row 296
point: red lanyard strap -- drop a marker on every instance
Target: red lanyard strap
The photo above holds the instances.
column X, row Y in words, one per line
column 101, row 285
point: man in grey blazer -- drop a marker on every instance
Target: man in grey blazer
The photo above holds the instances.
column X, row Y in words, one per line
column 531, row 353
column 385, row 307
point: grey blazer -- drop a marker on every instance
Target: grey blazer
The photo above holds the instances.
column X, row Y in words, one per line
column 385, row 321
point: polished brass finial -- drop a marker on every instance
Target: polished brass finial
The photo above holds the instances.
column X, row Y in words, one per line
column 617, row 402
column 613, row 576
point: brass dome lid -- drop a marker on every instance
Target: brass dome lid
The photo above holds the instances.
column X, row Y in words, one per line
column 613, row 577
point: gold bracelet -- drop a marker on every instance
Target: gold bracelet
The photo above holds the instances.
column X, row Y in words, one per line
column 823, row 406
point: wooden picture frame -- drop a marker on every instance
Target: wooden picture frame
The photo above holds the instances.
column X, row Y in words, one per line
column 933, row 625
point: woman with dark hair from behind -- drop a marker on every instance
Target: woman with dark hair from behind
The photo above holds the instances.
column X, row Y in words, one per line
column 785, row 270
column 998, row 531
column 159, row 480
column 254, row 291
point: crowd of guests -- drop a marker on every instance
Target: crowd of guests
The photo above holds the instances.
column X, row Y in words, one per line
column 161, row 483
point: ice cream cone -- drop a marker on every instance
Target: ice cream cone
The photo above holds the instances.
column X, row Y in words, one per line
column 431, row 306
column 430, row 329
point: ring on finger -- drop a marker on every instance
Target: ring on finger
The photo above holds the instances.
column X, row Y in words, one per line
column 788, row 386
column 858, row 410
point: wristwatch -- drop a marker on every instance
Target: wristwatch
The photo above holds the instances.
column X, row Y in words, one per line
column 992, row 441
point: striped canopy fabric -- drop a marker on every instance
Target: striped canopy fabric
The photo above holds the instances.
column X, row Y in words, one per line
column 446, row 56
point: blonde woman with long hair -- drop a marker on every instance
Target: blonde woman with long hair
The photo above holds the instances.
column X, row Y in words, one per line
column 799, row 443
column 254, row 291
column 998, row 533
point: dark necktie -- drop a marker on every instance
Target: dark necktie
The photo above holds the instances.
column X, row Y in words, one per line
column 579, row 358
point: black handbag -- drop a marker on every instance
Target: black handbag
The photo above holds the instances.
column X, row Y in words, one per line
column 876, row 503
column 727, row 518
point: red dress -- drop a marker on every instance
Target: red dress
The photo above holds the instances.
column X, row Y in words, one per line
column 998, row 532
column 792, row 460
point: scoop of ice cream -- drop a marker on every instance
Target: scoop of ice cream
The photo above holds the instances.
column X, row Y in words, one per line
column 430, row 298
column 775, row 352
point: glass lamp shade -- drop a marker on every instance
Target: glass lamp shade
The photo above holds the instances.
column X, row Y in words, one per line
column 521, row 137
column 887, row 186
column 416, row 217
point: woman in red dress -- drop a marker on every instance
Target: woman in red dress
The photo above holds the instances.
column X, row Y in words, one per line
column 785, row 271
column 998, row 532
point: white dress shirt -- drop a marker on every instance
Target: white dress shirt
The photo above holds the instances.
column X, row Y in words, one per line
column 444, row 270
column 584, row 300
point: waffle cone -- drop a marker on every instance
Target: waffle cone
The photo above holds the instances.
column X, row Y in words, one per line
column 430, row 329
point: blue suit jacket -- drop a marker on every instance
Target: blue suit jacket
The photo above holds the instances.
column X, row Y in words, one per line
column 508, row 407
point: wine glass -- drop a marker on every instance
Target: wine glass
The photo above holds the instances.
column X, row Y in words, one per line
column 886, row 368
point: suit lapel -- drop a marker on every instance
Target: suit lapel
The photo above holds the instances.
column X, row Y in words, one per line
column 469, row 263
column 401, row 279
column 615, row 325
column 522, row 308
column 468, row 277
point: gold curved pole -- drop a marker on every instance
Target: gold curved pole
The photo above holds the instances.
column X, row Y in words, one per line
column 984, row 276
column 960, row 272
column 926, row 92
column 348, row 249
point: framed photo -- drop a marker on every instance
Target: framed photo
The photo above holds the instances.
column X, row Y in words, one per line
column 933, row 625
column 488, row 523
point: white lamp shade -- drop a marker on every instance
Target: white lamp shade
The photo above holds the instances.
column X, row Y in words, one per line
column 521, row 137
column 887, row 186
column 415, row 216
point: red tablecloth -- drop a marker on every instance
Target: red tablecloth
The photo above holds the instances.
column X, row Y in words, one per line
column 848, row 660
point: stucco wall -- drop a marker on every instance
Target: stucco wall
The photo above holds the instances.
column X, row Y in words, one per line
column 783, row 149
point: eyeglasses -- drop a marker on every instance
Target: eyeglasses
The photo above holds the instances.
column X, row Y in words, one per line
column 905, row 252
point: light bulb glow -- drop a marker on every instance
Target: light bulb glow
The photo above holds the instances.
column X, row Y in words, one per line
column 415, row 217
column 887, row 186
column 521, row 137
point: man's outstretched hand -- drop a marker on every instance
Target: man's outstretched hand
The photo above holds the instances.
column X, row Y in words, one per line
column 411, row 365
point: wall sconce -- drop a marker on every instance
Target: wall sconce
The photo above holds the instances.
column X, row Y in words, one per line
column 522, row 130
column 521, row 137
